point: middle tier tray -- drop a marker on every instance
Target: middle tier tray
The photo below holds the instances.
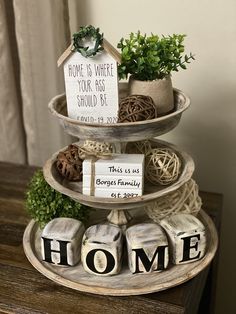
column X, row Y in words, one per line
column 151, row 192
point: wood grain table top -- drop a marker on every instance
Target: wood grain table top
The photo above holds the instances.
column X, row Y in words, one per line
column 24, row 290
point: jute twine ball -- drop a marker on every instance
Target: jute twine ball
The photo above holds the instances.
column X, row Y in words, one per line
column 69, row 164
column 136, row 108
column 143, row 147
column 95, row 149
column 184, row 200
column 162, row 166
column 140, row 147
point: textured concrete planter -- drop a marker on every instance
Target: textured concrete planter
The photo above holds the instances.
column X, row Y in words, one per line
column 161, row 92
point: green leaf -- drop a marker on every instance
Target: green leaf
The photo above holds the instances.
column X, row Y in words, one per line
column 152, row 57
column 43, row 203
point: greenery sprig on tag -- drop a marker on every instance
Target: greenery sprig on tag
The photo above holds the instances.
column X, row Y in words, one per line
column 87, row 32
column 43, row 203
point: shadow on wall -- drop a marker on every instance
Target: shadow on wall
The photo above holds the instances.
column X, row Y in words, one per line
column 79, row 14
column 209, row 137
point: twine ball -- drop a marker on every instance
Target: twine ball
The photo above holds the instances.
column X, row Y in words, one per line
column 184, row 200
column 94, row 148
column 162, row 166
column 136, row 108
column 140, row 147
column 69, row 164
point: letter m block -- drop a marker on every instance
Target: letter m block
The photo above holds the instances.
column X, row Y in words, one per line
column 147, row 247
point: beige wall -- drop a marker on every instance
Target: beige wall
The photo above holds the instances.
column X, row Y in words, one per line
column 207, row 130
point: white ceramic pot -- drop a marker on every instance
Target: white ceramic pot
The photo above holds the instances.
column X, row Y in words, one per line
column 160, row 90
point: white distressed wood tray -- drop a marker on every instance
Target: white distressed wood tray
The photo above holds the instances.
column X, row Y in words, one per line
column 119, row 132
column 125, row 283
column 151, row 192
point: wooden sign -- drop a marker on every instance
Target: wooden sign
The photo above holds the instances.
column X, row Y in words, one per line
column 92, row 87
column 61, row 241
column 147, row 247
column 187, row 237
column 102, row 248
column 120, row 177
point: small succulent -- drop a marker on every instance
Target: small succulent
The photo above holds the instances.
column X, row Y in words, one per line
column 152, row 57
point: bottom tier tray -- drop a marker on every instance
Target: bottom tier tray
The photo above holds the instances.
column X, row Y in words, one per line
column 125, row 283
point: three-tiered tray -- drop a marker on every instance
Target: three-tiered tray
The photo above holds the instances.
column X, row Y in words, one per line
column 124, row 283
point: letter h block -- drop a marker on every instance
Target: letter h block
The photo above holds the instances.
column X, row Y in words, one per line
column 187, row 237
column 147, row 247
column 61, row 241
column 102, row 248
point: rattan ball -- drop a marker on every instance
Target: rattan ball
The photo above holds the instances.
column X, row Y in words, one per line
column 184, row 200
column 140, row 147
column 69, row 164
column 162, row 166
column 93, row 148
column 136, row 108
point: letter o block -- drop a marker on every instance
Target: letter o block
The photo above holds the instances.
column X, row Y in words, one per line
column 187, row 237
column 102, row 247
column 147, row 247
column 61, row 241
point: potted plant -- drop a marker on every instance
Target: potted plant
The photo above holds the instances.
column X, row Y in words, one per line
column 150, row 61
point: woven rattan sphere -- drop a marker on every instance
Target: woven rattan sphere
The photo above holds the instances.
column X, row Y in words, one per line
column 140, row 147
column 162, row 166
column 184, row 200
column 69, row 163
column 136, row 108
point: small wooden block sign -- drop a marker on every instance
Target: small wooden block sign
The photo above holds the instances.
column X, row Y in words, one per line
column 61, row 241
column 120, row 177
column 147, row 247
column 113, row 193
column 187, row 237
column 102, row 248
column 92, row 87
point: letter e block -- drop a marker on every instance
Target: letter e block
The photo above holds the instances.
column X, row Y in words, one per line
column 102, row 250
column 61, row 241
column 147, row 247
column 187, row 237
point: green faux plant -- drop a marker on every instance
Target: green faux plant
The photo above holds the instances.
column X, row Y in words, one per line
column 43, row 203
column 152, row 57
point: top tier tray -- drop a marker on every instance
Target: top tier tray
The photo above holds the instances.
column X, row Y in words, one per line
column 119, row 132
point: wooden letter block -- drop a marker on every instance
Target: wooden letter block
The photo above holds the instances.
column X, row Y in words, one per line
column 187, row 237
column 147, row 247
column 102, row 250
column 61, row 241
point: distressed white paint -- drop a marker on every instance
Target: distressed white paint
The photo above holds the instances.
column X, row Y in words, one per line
column 64, row 229
column 180, row 226
column 102, row 237
column 119, row 177
column 115, row 182
column 120, row 164
column 148, row 236
column 114, row 193
column 92, row 88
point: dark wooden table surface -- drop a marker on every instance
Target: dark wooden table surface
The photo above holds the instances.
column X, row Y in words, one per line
column 24, row 290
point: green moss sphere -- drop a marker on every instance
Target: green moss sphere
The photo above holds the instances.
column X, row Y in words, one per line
column 43, row 203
